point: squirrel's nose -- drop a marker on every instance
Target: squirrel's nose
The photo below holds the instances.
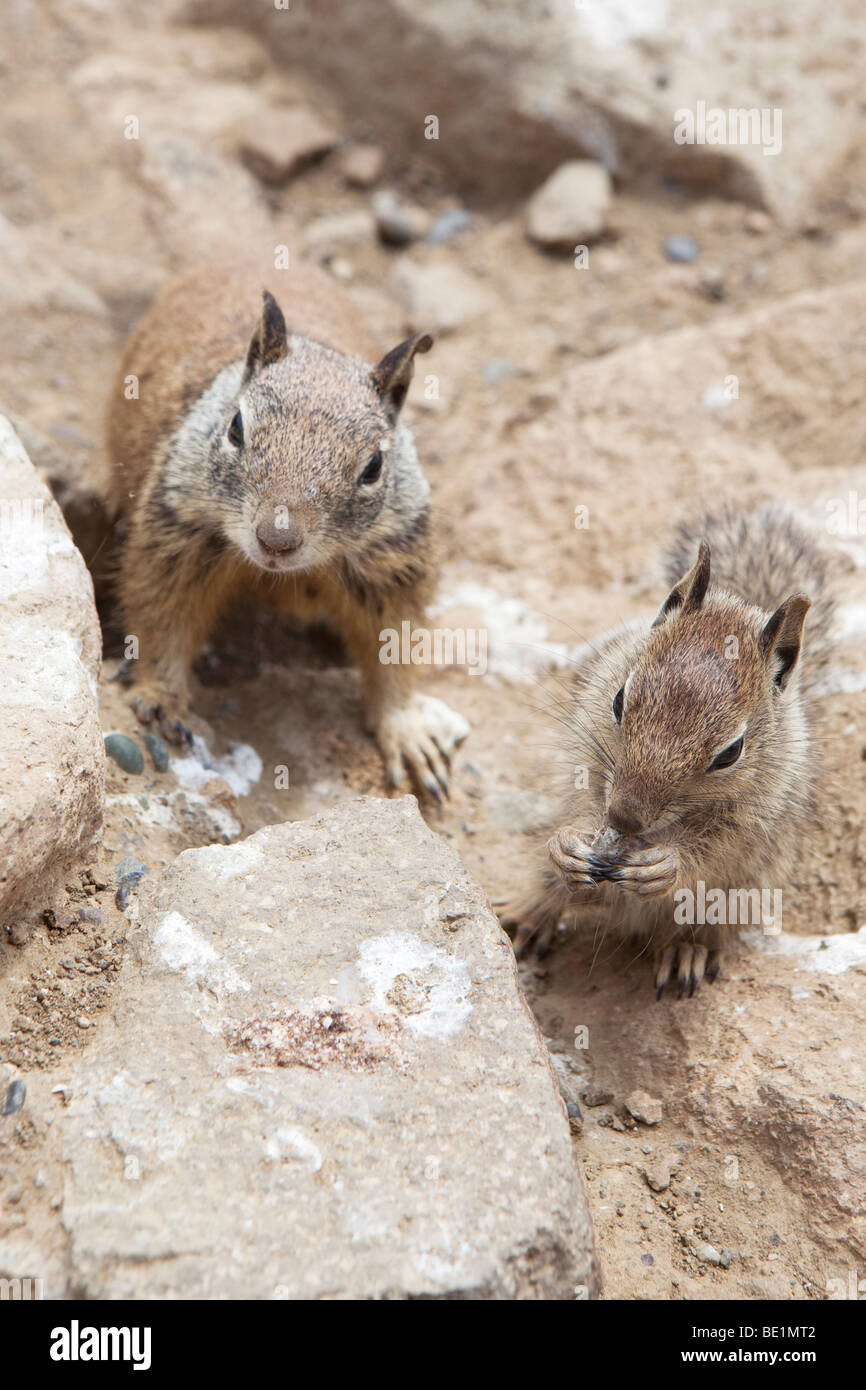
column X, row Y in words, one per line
column 279, row 536
column 623, row 815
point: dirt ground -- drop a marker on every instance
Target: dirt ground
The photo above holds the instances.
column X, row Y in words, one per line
column 576, row 387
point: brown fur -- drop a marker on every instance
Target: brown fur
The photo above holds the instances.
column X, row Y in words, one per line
column 197, row 325
column 722, row 656
column 249, row 438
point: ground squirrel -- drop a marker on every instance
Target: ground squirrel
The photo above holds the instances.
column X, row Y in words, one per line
column 256, row 456
column 691, row 750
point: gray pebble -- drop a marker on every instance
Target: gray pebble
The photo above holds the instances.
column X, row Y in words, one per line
column 597, row 1095
column 159, row 754
column 129, row 865
column 447, row 225
column 496, row 370
column 14, row 1098
column 125, row 753
column 95, row 915
column 127, row 885
column 681, row 249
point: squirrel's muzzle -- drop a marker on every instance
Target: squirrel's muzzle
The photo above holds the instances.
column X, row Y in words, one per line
column 279, row 534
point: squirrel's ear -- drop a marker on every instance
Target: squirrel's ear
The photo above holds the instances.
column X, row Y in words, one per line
column 270, row 341
column 782, row 637
column 392, row 376
column 689, row 593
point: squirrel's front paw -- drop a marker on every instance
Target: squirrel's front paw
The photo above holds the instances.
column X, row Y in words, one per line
column 421, row 735
column 156, row 711
column 572, row 854
column 651, row 873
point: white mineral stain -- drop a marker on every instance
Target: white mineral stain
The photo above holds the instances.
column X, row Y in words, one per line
column 241, row 767
column 438, row 979
column 290, row 1144
column 184, row 949
column 829, row 955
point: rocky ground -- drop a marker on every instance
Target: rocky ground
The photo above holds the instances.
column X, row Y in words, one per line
column 656, row 379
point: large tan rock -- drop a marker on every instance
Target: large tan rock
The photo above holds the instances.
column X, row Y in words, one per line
column 541, row 84
column 321, row 1082
column 51, row 753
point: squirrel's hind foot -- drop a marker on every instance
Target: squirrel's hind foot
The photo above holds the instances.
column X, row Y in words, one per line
column 150, row 711
column 693, row 964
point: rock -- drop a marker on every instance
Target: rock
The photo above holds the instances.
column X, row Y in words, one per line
column 447, row 225
column 125, row 752
column 681, row 249
column 51, row 756
column 127, row 866
column 569, row 209
column 159, row 754
column 709, row 1255
column 597, row 1095
column 398, row 222
column 13, row 1100
column 438, row 295
column 496, row 370
column 317, row 1086
column 326, row 234
column 644, row 1108
column 200, row 196
column 280, row 143
column 362, row 165
column 615, row 83
column 658, row 1174
column 757, row 222
column 94, row 915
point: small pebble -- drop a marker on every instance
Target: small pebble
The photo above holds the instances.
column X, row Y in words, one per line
column 159, row 754
column 83, row 1022
column 496, row 370
column 575, row 1119
column 645, row 1108
column 129, row 865
column 127, row 885
column 709, row 1255
column 447, row 225
column 658, row 1174
column 681, row 249
column 95, row 915
column 647, row 1260
column 125, row 753
column 398, row 223
column 362, row 165
column 14, row 1098
column 597, row 1095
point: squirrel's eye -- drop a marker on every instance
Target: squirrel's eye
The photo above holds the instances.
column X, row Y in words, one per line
column 372, row 472
column 236, row 430
column 728, row 756
column 617, row 704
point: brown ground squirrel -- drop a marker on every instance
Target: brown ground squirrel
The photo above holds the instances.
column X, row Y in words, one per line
column 271, row 457
column 692, row 737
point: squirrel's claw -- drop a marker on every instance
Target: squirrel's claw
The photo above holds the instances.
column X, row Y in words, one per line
column 650, row 873
column 694, row 963
column 152, row 714
column 422, row 736
column 571, row 854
